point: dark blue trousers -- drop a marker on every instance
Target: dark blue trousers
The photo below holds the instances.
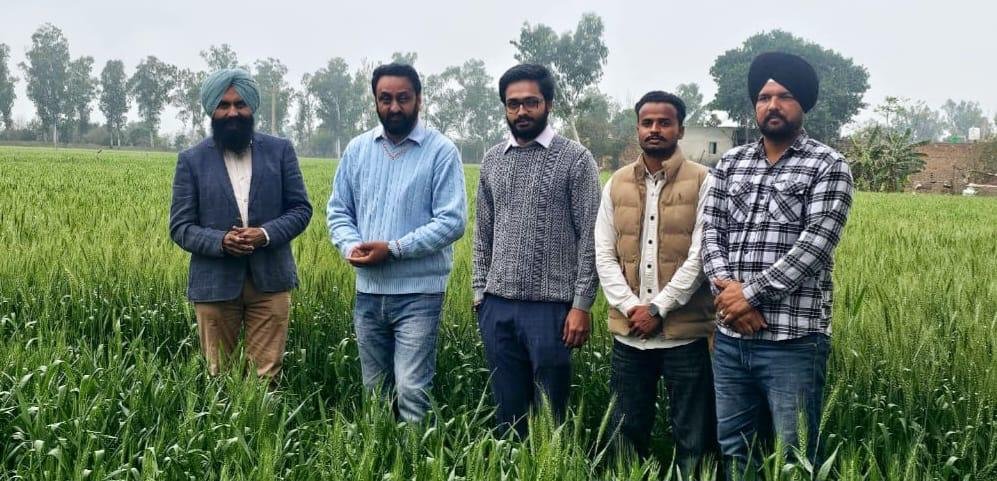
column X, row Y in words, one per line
column 526, row 356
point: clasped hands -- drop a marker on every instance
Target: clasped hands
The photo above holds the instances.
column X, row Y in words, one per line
column 734, row 310
column 371, row 253
column 641, row 322
column 242, row 241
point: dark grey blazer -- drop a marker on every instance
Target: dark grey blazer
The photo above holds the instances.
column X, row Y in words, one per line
column 204, row 209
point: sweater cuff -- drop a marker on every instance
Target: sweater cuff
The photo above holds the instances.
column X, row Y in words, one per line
column 395, row 248
column 479, row 295
column 583, row 303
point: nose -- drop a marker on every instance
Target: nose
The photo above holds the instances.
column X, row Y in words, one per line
column 231, row 111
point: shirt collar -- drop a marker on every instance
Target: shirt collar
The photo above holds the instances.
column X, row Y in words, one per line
column 798, row 145
column 417, row 135
column 544, row 139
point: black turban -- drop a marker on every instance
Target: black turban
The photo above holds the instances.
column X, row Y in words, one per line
column 788, row 70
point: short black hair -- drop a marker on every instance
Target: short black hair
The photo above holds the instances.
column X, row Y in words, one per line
column 657, row 96
column 396, row 70
column 528, row 71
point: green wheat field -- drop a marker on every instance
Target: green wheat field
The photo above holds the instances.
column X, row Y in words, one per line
column 101, row 377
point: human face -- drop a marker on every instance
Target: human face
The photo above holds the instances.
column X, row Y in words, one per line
column 778, row 113
column 526, row 110
column 232, row 122
column 658, row 129
column 231, row 105
column 397, row 105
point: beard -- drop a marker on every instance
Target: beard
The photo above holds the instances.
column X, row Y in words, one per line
column 531, row 131
column 663, row 150
column 234, row 133
column 784, row 132
column 398, row 124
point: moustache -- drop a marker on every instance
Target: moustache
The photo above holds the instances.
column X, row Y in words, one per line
column 774, row 116
column 655, row 137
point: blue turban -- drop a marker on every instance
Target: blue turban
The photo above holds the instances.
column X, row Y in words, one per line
column 216, row 84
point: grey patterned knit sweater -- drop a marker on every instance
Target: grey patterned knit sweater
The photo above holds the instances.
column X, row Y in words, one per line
column 533, row 237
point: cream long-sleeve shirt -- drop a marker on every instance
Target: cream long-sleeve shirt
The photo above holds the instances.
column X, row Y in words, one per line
column 679, row 289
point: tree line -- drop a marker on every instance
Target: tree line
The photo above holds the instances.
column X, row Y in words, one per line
column 327, row 107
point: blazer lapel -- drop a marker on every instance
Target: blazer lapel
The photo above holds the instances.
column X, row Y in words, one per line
column 255, row 178
column 222, row 179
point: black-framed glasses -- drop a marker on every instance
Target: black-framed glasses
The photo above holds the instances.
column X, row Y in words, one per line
column 531, row 103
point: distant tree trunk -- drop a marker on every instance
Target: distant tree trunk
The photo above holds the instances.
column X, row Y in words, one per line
column 273, row 110
column 55, row 135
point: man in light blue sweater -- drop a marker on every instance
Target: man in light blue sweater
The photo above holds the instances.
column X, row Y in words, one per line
column 398, row 203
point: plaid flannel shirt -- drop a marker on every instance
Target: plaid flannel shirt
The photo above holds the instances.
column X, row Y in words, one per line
column 774, row 228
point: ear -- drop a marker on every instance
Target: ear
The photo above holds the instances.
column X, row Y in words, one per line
column 681, row 132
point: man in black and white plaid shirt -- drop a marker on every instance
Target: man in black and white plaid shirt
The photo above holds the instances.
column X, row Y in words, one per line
column 772, row 218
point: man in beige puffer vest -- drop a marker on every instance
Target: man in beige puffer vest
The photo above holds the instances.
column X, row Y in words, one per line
column 647, row 240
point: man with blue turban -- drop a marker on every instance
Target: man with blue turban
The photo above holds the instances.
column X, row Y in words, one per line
column 238, row 201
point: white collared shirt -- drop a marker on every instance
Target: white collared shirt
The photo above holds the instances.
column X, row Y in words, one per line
column 240, row 173
column 679, row 289
column 544, row 139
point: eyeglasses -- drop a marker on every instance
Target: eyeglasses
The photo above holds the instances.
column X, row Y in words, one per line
column 531, row 103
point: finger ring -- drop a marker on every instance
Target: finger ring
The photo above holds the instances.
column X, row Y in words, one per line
column 722, row 314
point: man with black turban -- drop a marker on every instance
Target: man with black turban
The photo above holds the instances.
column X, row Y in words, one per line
column 238, row 201
column 772, row 217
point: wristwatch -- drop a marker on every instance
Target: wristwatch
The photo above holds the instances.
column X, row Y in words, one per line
column 653, row 309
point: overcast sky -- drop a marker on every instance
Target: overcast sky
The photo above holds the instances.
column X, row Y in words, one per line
column 918, row 49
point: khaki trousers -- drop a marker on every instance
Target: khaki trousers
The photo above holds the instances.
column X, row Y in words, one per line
column 265, row 317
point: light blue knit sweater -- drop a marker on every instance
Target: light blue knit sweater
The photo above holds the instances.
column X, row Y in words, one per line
column 416, row 202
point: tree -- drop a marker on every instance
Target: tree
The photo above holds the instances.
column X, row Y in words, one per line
column 151, row 85
column 81, row 88
column 336, row 101
column 275, row 95
column 695, row 113
column 7, row 94
column 304, row 117
column 575, row 60
column 186, row 98
column 903, row 114
column 594, row 123
column 46, row 74
column 441, row 101
column 623, row 132
column 964, row 115
column 221, row 57
column 114, row 98
column 842, row 83
column 883, row 159
column 483, row 115
column 404, row 58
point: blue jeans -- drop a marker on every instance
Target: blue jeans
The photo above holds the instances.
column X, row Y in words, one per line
column 526, row 356
column 688, row 380
column 755, row 378
column 396, row 335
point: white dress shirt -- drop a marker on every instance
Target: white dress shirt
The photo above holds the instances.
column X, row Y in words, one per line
column 240, row 174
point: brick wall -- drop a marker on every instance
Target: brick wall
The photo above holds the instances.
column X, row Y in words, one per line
column 947, row 168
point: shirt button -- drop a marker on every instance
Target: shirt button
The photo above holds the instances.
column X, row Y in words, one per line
column 648, row 291
column 649, row 266
column 650, row 242
column 652, row 217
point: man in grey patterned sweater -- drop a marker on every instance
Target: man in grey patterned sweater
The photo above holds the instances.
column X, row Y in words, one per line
column 534, row 274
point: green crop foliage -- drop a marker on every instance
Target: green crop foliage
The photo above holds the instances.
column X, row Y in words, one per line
column 101, row 376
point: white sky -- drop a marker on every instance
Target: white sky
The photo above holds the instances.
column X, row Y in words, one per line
column 923, row 50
